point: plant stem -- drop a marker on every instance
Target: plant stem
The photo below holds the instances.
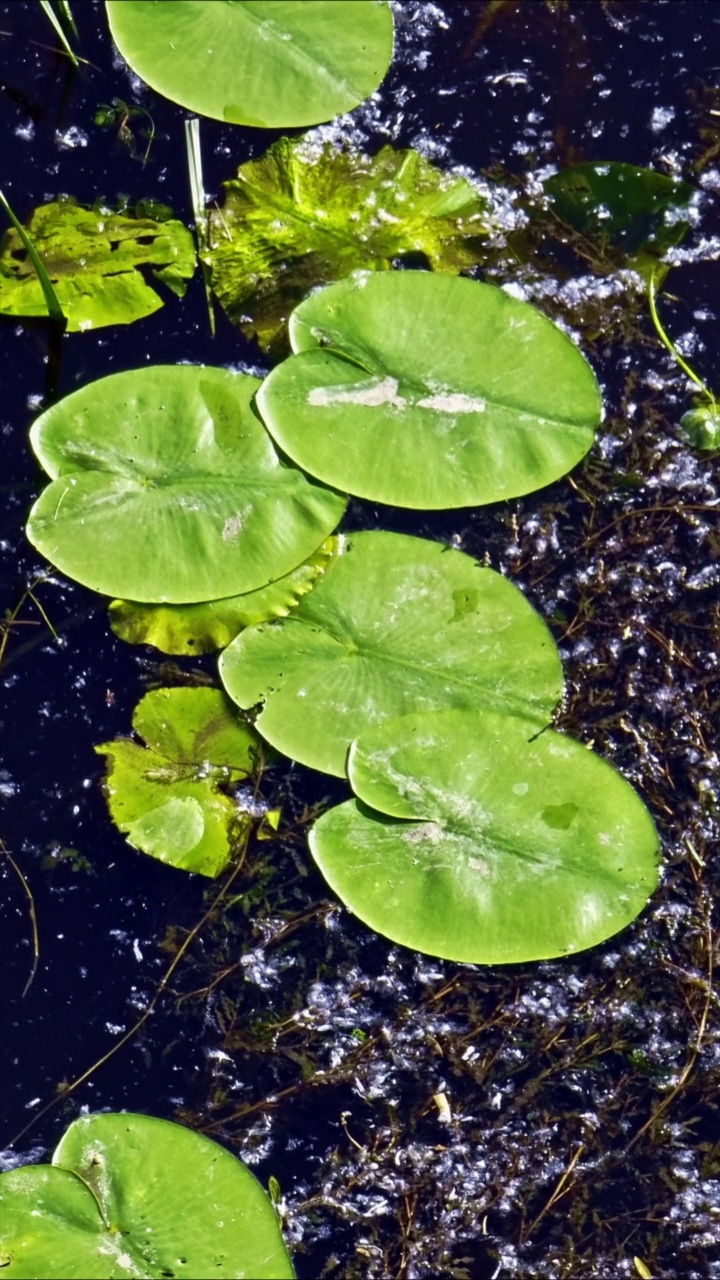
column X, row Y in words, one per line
column 671, row 345
column 197, row 196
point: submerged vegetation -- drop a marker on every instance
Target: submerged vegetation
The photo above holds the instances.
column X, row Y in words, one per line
column 233, row 512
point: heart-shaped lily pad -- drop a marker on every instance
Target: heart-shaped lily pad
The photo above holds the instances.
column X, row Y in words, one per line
column 129, row 1195
column 396, row 624
column 434, row 391
column 486, row 841
column 269, row 63
column 167, row 488
column 204, row 628
column 165, row 795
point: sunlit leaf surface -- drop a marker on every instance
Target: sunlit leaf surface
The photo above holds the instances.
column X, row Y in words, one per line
column 396, row 624
column 167, row 489
column 305, row 214
column 268, row 63
column 132, row 1196
column 476, row 838
column 94, row 260
column 430, row 391
column 166, row 795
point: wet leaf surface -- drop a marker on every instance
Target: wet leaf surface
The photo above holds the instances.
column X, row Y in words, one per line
column 305, row 214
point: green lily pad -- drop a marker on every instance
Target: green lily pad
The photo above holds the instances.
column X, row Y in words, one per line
column 204, row 628
column 305, row 214
column 701, row 427
column 476, row 838
column 93, row 259
column 129, row 1195
column 166, row 488
column 268, row 64
column 165, row 796
column 433, row 392
column 637, row 210
column 396, row 624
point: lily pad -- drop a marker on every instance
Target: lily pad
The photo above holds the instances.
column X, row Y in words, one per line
column 204, row 628
column 396, row 624
column 305, row 214
column 165, row 796
column 166, row 488
column 433, row 392
column 701, row 427
column 94, row 260
column 129, row 1195
column 476, row 838
column 637, row 210
column 267, row 63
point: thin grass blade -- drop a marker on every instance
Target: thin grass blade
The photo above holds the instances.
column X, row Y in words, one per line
column 53, row 18
column 52, row 301
column 197, row 197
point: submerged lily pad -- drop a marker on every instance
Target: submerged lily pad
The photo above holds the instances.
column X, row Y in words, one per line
column 204, row 628
column 166, row 488
column 129, row 1195
column 305, row 214
column 94, row 260
column 396, row 624
column 433, row 392
column 165, row 795
column 637, row 210
column 267, row 63
column 476, row 838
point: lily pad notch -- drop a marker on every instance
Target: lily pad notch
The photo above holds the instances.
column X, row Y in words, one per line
column 429, row 391
column 166, row 488
column 131, row 1195
column 476, row 838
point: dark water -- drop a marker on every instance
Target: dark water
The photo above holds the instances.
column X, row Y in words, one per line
column 314, row 1049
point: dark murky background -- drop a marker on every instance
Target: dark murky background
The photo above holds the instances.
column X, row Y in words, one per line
column 584, row 1127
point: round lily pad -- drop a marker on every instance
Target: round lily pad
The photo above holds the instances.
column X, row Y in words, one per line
column 396, row 624
column 476, row 838
column 268, row 63
column 129, row 1195
column 166, row 795
column 429, row 391
column 166, row 488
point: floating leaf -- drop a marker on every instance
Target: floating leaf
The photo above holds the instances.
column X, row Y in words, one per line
column 166, row 488
column 129, row 1195
column 94, row 259
column 305, row 214
column 486, row 841
column 396, row 624
column 637, row 210
column 165, row 795
column 203, row 628
column 270, row 64
column 701, row 427
column 434, row 392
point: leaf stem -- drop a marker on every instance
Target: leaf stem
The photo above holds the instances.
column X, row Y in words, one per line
column 671, row 345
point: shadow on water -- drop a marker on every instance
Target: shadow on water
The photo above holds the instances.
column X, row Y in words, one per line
column 422, row 1118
